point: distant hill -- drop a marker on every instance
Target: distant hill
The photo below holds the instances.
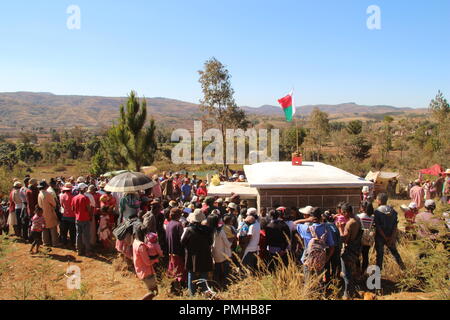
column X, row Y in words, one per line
column 31, row 110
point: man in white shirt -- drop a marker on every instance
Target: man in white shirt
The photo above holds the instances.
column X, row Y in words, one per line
column 251, row 252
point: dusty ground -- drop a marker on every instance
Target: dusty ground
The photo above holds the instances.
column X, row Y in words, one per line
column 104, row 277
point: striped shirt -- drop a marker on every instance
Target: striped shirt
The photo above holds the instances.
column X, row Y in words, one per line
column 37, row 223
column 366, row 221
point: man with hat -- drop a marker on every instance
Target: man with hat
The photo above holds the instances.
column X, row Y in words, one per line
column 232, row 212
column 220, row 207
column 67, row 225
column 16, row 206
column 197, row 240
column 47, row 202
column 81, row 205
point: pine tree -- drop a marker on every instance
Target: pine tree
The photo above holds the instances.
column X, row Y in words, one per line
column 131, row 144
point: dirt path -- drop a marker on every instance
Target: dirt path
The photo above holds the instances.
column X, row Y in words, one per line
column 25, row 276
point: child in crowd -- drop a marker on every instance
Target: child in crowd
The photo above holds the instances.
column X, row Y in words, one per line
column 104, row 231
column 37, row 226
column 143, row 263
column 154, row 249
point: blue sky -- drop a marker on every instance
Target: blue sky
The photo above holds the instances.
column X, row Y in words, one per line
column 323, row 48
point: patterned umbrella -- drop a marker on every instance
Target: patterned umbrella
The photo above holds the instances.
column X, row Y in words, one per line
column 129, row 182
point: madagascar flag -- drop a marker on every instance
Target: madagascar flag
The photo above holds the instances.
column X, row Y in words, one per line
column 287, row 103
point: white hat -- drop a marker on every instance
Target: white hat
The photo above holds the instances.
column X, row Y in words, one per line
column 220, row 200
column 447, row 172
column 365, row 189
column 196, row 217
column 252, row 211
column 306, row 210
column 17, row 184
column 412, row 205
column 241, row 177
column 81, row 180
column 82, row 186
column 235, row 176
column 430, row 203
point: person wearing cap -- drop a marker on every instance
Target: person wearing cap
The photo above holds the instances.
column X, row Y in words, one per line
column 417, row 194
column 67, row 225
column 197, row 240
column 16, row 203
column 306, row 230
column 219, row 205
column 305, row 212
column 47, row 202
column 232, row 212
column 410, row 215
column 81, row 205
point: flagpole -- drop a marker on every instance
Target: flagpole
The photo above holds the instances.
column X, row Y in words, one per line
column 295, row 119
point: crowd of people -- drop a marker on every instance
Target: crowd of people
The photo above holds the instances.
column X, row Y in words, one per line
column 195, row 238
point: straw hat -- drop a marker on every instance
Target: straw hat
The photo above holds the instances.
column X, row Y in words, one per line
column 67, row 187
column 232, row 205
column 196, row 217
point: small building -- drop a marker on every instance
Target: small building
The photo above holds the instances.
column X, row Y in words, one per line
column 314, row 183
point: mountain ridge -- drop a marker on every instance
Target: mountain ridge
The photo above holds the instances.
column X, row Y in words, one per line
column 45, row 109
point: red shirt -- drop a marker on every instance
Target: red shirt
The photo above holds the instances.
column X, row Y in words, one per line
column 80, row 205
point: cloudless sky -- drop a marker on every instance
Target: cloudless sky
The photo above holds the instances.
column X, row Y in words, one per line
column 323, row 48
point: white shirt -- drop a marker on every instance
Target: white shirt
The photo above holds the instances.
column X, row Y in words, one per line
column 253, row 231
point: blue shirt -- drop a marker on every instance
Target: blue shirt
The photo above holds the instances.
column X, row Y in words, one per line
column 303, row 230
column 186, row 190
